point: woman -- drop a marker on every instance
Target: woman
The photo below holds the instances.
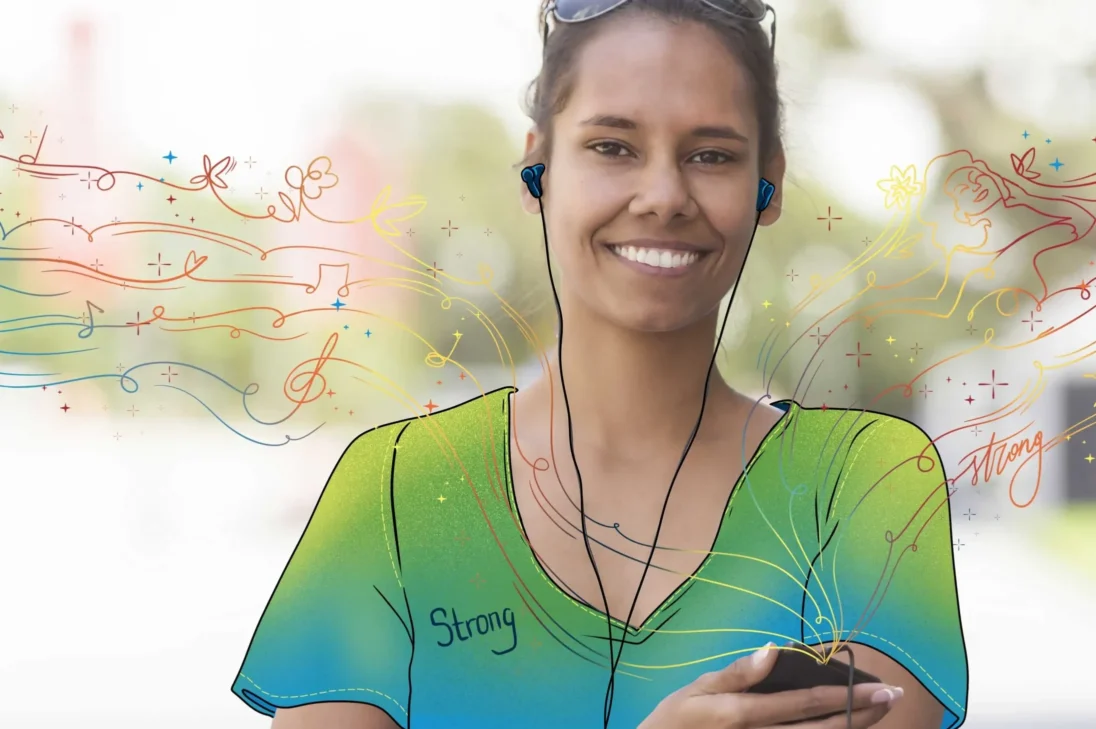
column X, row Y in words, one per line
column 446, row 578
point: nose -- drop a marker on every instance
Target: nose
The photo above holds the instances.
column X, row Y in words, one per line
column 663, row 191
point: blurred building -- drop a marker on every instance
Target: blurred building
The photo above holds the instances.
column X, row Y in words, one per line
column 1024, row 391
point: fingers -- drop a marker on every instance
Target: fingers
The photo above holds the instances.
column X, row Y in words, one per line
column 817, row 702
column 861, row 719
column 740, row 675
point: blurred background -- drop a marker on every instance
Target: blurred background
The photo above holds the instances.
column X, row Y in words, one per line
column 149, row 498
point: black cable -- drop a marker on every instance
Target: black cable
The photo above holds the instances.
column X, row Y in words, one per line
column 852, row 676
column 614, row 661
column 574, row 459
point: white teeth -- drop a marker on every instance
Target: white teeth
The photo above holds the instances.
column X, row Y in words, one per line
column 655, row 257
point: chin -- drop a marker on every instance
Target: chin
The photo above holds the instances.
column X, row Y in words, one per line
column 658, row 320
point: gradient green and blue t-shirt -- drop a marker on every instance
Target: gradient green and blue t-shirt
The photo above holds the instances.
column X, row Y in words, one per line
column 414, row 589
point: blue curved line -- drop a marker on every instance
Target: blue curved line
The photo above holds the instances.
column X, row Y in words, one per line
column 47, row 354
column 251, row 389
column 5, row 233
column 288, row 439
column 253, row 418
column 220, row 379
column 124, row 376
column 83, row 327
column 55, row 384
column 37, row 316
column 28, row 374
column 28, row 293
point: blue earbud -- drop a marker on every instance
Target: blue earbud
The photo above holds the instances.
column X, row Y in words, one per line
column 531, row 177
column 765, row 192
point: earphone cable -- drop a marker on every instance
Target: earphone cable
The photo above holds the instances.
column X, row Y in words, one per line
column 852, row 681
column 614, row 660
column 574, row 459
column 680, row 463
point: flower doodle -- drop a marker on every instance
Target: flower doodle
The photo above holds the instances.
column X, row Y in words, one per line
column 318, row 178
column 900, row 187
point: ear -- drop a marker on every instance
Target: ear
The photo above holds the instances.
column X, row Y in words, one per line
column 774, row 173
column 529, row 203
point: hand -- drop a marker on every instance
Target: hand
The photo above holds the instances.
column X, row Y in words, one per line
column 716, row 701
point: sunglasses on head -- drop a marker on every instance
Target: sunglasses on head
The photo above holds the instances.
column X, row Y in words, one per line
column 576, row 11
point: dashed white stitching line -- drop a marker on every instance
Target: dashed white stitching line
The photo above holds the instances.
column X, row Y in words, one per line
column 837, row 497
column 322, row 693
column 386, row 474
column 586, row 609
column 912, row 659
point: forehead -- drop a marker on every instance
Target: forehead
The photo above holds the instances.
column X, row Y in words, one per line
column 655, row 71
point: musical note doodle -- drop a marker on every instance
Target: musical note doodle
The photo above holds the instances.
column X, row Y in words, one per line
column 344, row 288
column 88, row 329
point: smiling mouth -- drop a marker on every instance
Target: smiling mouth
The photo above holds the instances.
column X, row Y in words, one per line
column 658, row 257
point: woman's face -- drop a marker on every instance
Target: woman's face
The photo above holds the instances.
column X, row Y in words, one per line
column 975, row 191
column 650, row 193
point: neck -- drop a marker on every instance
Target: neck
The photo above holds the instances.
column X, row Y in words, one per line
column 634, row 392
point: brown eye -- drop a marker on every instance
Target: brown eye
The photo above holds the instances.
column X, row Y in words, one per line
column 712, row 157
column 609, row 149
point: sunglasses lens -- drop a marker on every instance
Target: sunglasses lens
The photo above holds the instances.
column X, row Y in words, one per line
column 746, row 9
column 573, row 11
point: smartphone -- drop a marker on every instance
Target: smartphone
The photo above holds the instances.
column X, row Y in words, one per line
column 797, row 668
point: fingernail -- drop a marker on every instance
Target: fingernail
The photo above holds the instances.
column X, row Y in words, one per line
column 759, row 656
column 887, row 695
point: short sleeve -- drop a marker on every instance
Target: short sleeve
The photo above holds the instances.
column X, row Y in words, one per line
column 337, row 627
column 884, row 574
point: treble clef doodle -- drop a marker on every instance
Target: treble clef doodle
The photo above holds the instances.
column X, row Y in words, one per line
column 293, row 388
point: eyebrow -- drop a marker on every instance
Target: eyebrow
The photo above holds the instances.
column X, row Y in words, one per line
column 620, row 122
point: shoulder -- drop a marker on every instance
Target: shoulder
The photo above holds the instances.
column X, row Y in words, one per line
column 858, row 430
column 433, row 432
column 854, row 456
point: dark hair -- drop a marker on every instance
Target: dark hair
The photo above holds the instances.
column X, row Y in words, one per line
column 746, row 40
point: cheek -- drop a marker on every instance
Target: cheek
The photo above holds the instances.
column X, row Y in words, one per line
column 734, row 217
column 583, row 203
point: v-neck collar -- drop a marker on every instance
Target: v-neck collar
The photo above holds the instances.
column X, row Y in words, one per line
column 788, row 406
